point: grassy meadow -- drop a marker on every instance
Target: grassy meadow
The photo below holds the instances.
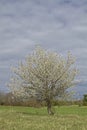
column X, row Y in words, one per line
column 27, row 118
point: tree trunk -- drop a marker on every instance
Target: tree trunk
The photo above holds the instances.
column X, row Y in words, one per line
column 49, row 107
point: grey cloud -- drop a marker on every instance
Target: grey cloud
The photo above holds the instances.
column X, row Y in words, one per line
column 60, row 25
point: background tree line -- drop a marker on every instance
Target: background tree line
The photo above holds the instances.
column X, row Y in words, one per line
column 10, row 100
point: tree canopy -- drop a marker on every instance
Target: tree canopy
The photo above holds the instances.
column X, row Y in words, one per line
column 44, row 75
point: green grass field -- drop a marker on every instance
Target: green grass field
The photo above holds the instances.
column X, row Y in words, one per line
column 24, row 118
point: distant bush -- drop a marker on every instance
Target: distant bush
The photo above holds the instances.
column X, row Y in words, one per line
column 67, row 103
column 85, row 100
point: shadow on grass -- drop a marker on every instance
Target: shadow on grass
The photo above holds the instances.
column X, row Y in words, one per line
column 33, row 113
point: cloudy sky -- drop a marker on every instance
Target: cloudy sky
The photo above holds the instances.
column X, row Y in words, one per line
column 60, row 25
